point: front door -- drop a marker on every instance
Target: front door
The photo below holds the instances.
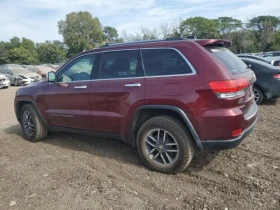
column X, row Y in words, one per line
column 118, row 92
column 66, row 100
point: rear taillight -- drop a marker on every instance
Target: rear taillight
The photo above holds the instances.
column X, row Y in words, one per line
column 229, row 88
column 277, row 76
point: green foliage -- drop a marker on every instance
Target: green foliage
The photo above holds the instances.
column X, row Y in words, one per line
column 110, row 35
column 21, row 55
column 200, row 27
column 80, row 32
column 51, row 52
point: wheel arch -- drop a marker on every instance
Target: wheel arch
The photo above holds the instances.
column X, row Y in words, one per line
column 20, row 103
column 147, row 112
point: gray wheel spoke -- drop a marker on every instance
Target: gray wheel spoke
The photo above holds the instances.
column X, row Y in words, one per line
column 168, row 157
column 152, row 138
column 158, row 135
column 171, row 150
column 170, row 144
column 156, row 155
column 151, row 152
column 164, row 136
column 150, row 143
column 163, row 159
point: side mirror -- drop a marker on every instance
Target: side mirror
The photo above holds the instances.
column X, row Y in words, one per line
column 11, row 73
column 51, row 76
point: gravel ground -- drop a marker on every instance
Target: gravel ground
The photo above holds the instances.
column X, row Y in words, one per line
column 69, row 171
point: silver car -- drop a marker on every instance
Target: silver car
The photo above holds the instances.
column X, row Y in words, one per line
column 16, row 77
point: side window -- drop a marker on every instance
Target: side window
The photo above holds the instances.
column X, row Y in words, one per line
column 2, row 71
column 9, row 72
column 121, row 64
column 164, row 62
column 79, row 69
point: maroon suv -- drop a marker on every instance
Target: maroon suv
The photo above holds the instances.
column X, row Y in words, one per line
column 165, row 97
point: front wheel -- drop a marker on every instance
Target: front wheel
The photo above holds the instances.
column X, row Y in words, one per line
column 16, row 82
column 165, row 145
column 32, row 125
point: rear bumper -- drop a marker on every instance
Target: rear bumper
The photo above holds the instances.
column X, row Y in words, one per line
column 214, row 145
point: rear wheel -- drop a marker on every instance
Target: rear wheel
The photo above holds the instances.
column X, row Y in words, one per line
column 258, row 94
column 32, row 126
column 165, row 145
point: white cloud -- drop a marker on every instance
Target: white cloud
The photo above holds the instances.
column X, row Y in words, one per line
column 37, row 19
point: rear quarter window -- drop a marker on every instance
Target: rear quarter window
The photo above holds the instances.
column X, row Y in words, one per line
column 160, row 62
column 234, row 64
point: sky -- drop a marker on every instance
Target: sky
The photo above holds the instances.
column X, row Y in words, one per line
column 37, row 19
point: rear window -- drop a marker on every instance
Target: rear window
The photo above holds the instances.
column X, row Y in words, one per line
column 234, row 64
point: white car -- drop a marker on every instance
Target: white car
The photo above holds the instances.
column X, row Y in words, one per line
column 4, row 81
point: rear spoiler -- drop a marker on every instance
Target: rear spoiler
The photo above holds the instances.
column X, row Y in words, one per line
column 214, row 42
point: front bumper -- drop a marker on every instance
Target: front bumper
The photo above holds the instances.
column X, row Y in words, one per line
column 215, row 145
column 25, row 82
column 5, row 83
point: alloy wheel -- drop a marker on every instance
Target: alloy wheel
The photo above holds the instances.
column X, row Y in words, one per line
column 161, row 147
column 28, row 124
column 256, row 94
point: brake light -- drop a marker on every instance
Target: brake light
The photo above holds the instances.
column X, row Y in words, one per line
column 229, row 88
column 277, row 76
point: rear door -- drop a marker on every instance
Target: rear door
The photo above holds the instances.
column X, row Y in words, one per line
column 66, row 100
column 118, row 92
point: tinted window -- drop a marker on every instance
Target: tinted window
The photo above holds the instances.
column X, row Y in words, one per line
column 234, row 64
column 9, row 72
column 78, row 70
column 164, row 62
column 2, row 71
column 276, row 63
column 121, row 64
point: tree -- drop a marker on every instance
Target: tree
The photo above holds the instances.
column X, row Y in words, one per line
column 4, row 53
column 227, row 25
column 80, row 32
column 200, row 27
column 50, row 52
column 14, row 42
column 263, row 28
column 110, row 35
column 21, row 55
column 28, row 45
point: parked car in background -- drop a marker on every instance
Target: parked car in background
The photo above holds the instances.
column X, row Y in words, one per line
column 276, row 62
column 254, row 57
column 165, row 97
column 271, row 54
column 267, row 85
column 4, row 81
column 18, row 75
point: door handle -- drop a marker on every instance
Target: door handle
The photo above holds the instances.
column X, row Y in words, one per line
column 80, row 87
column 133, row 85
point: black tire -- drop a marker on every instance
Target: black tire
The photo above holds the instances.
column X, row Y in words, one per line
column 258, row 95
column 177, row 131
column 40, row 130
column 16, row 82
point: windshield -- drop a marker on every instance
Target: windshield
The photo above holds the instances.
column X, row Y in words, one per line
column 234, row 64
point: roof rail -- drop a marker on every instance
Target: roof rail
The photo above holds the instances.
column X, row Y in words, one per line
column 144, row 41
